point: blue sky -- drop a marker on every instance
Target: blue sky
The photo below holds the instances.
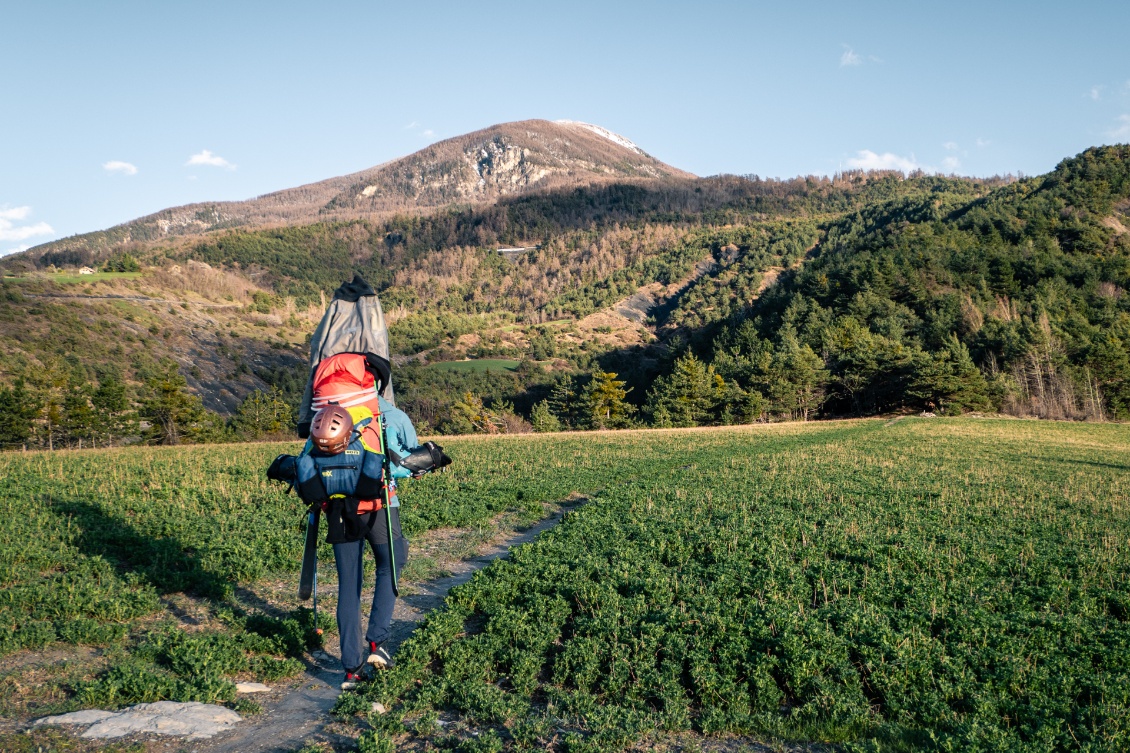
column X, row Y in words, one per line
column 113, row 110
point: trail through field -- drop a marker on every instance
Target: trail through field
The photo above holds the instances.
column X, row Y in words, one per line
column 301, row 713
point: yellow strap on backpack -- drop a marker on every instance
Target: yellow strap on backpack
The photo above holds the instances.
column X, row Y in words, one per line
column 363, row 418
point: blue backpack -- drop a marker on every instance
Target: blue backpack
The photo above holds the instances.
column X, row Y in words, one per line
column 337, row 482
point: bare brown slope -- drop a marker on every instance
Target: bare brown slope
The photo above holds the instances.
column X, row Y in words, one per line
column 503, row 160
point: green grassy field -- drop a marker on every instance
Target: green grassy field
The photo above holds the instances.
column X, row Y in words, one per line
column 70, row 279
column 925, row 585
column 477, row 365
column 913, row 585
column 97, row 547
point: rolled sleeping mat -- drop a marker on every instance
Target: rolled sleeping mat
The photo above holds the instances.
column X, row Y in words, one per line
column 429, row 457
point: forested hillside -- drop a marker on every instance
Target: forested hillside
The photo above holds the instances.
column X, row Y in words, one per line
column 674, row 301
column 1013, row 301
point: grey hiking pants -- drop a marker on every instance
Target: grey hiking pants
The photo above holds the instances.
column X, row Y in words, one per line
column 349, row 558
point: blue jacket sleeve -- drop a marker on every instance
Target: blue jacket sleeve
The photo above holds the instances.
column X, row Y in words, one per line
column 402, row 439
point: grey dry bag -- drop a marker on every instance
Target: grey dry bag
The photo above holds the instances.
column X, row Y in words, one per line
column 353, row 323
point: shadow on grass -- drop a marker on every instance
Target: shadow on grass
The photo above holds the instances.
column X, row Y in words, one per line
column 164, row 562
column 1094, row 463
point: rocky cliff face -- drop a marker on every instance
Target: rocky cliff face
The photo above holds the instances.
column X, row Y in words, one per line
column 500, row 161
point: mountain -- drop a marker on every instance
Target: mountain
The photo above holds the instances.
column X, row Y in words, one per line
column 510, row 159
column 550, row 251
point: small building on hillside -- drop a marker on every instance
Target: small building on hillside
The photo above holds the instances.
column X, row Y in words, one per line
column 86, row 271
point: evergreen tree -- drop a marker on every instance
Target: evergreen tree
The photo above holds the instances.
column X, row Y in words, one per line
column 563, row 401
column 797, row 379
column 543, row 345
column 661, row 417
column 78, row 416
column 121, row 263
column 111, row 407
column 174, row 414
column 471, row 415
column 543, row 419
column 604, row 401
column 18, row 409
column 691, row 395
column 1110, row 364
column 263, row 413
column 949, row 382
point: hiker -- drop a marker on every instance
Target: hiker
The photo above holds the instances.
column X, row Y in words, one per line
column 351, row 378
column 349, row 386
column 347, row 469
column 349, row 556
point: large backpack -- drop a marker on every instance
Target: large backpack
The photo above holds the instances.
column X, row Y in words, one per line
column 345, row 483
column 353, row 323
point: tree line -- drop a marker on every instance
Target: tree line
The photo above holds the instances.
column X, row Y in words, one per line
column 72, row 414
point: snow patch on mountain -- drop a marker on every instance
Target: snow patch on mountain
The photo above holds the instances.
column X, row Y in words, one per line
column 615, row 138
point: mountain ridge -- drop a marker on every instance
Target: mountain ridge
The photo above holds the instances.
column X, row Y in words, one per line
column 502, row 160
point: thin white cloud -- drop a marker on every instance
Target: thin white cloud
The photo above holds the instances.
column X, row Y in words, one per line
column 10, row 231
column 869, row 160
column 983, row 142
column 1096, row 92
column 951, row 164
column 14, row 213
column 428, row 133
column 413, row 124
column 1120, row 132
column 950, row 146
column 206, row 157
column 117, row 166
column 850, row 58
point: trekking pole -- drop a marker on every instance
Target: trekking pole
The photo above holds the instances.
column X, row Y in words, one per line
column 308, row 580
column 387, row 499
column 317, row 630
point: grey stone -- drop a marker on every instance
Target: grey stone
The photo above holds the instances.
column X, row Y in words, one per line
column 251, row 687
column 195, row 721
column 87, row 716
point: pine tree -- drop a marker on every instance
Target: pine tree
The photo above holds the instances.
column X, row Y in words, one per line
column 1110, row 365
column 469, row 414
column 111, row 407
column 543, row 419
column 691, row 395
column 78, row 419
column 562, row 401
column 175, row 415
column 797, row 378
column 949, row 381
column 604, row 401
column 263, row 413
column 18, row 409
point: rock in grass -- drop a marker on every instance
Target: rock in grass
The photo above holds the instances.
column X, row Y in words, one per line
column 379, row 708
column 251, row 687
column 86, row 716
column 194, row 721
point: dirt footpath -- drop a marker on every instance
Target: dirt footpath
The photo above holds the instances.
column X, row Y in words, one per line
column 299, row 714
